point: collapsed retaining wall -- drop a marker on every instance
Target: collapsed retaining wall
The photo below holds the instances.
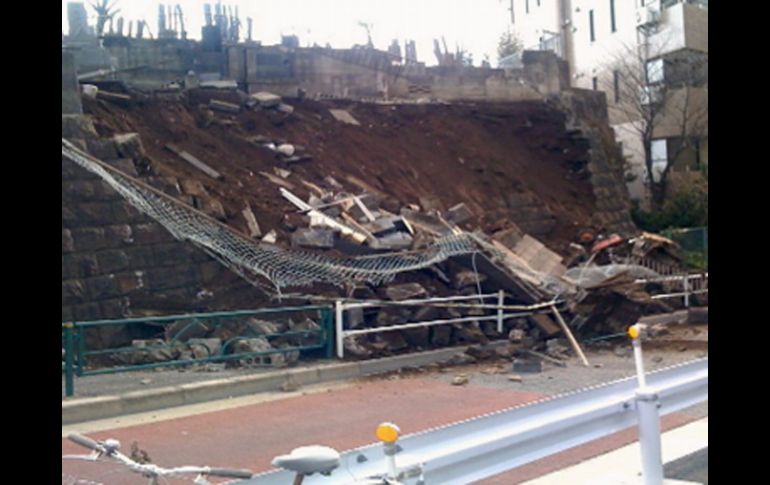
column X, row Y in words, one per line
column 117, row 261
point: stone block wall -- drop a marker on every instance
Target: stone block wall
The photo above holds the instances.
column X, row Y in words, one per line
column 117, row 262
column 587, row 119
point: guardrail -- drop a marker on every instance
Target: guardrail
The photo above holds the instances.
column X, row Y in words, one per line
column 77, row 355
column 478, row 448
column 499, row 307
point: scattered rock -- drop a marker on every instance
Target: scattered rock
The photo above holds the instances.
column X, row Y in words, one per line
column 657, row 359
column 460, row 380
column 465, row 278
column 290, row 385
column 527, row 365
column 461, row 358
column 271, row 237
column 144, row 382
column 405, row 291
column 312, row 237
column 622, row 351
column 515, row 378
column 516, row 335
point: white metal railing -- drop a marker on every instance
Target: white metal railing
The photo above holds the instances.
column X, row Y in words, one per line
column 341, row 307
column 692, row 284
column 499, row 306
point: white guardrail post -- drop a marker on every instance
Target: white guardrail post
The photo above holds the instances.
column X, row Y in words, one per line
column 338, row 332
column 647, row 403
column 686, row 282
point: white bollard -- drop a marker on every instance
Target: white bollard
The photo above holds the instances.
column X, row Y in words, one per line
column 649, row 419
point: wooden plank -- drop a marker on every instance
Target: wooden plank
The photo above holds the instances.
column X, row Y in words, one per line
column 364, row 209
column 546, row 324
column 194, row 161
column 570, row 337
column 251, row 221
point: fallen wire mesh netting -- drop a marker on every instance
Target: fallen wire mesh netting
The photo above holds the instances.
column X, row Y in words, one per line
column 251, row 259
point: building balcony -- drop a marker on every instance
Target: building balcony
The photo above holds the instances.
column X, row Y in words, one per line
column 679, row 26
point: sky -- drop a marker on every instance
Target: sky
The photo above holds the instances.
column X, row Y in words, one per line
column 474, row 25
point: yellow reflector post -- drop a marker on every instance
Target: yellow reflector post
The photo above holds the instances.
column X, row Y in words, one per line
column 388, row 432
column 633, row 332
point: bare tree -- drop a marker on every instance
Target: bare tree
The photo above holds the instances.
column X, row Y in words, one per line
column 658, row 95
column 105, row 11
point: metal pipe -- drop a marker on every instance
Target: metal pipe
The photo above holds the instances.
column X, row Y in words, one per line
column 500, row 301
column 69, row 355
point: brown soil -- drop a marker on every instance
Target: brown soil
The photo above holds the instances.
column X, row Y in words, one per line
column 473, row 153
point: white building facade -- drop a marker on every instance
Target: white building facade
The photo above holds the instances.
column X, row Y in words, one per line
column 595, row 36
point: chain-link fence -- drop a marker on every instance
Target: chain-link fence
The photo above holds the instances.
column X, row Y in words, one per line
column 695, row 245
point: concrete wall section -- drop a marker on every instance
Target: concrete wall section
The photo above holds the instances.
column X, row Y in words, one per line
column 70, row 91
column 117, row 262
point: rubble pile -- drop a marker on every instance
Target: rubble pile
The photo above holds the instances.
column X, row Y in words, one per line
column 313, row 181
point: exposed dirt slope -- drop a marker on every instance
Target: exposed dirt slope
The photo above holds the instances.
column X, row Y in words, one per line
column 479, row 154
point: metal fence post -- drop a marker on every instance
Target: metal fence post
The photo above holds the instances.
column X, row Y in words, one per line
column 328, row 325
column 687, row 291
column 500, row 301
column 69, row 355
column 338, row 328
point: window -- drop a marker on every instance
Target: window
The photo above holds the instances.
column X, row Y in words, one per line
column 513, row 18
column 613, row 27
column 595, row 82
column 591, row 24
column 616, row 85
column 655, row 71
column 526, row 6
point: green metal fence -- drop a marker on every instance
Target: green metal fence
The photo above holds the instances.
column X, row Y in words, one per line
column 695, row 245
column 80, row 360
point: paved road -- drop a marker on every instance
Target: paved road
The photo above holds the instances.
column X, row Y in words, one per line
column 345, row 416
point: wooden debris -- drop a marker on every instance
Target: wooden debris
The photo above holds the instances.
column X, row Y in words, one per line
column 277, row 180
column 367, row 213
column 323, row 218
column 547, row 358
column 194, row 161
column 251, row 221
column 318, row 190
column 281, row 172
column 571, row 337
column 224, row 106
column 117, row 98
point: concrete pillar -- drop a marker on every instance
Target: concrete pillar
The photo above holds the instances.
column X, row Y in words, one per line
column 70, row 90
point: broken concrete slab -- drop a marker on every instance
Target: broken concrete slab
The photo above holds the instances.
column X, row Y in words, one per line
column 344, row 116
column 219, row 84
column 458, row 213
column 129, row 145
column 193, row 161
column 224, row 106
column 394, row 242
column 286, row 109
column 266, row 99
column 313, row 238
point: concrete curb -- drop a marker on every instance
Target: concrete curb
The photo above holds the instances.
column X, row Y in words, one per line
column 89, row 409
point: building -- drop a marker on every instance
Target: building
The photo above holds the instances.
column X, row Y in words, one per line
column 650, row 57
